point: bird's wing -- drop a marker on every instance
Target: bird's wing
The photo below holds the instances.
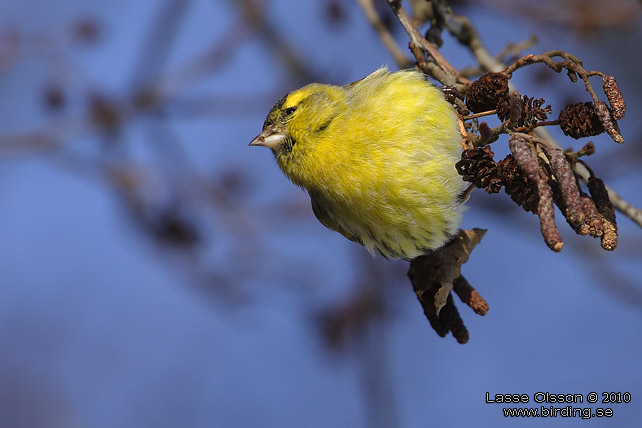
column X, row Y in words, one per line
column 327, row 220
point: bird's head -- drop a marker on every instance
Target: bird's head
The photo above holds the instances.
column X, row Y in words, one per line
column 297, row 121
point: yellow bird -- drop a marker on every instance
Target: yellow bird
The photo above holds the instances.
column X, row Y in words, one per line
column 377, row 158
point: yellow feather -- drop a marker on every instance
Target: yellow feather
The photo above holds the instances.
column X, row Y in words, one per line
column 377, row 158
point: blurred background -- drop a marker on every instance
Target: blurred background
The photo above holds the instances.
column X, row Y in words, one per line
column 158, row 272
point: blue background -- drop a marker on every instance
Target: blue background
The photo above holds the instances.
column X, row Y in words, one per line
column 103, row 324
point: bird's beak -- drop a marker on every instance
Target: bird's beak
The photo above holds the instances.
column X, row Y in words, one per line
column 270, row 137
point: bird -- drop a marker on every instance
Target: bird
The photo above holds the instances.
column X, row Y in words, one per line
column 377, row 158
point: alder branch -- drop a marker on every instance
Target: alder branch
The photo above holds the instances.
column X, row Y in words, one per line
column 468, row 36
column 444, row 72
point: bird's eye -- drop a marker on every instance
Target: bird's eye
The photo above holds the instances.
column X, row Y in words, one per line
column 289, row 110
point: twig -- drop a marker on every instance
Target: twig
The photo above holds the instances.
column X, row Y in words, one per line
column 487, row 134
column 481, row 114
column 529, row 128
column 462, row 29
column 446, row 74
column 570, row 62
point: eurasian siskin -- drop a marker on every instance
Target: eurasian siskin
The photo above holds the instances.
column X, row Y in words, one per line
column 377, row 158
